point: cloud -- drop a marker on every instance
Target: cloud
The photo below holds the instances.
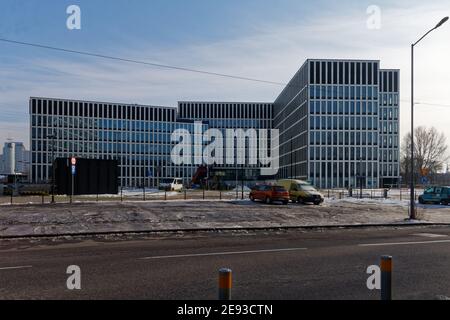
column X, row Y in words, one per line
column 271, row 52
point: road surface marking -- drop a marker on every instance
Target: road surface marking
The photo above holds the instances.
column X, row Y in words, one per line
column 402, row 243
column 13, row 268
column 430, row 235
column 222, row 253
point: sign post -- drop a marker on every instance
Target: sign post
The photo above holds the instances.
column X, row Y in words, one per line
column 73, row 162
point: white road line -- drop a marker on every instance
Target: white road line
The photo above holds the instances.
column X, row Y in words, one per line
column 402, row 243
column 18, row 267
column 430, row 235
column 222, row 253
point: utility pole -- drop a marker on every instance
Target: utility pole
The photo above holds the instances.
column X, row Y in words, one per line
column 412, row 212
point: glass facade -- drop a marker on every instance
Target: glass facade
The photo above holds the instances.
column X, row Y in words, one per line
column 351, row 108
column 231, row 115
column 338, row 122
column 138, row 136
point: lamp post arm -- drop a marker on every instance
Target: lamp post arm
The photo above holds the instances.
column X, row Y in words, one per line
column 424, row 36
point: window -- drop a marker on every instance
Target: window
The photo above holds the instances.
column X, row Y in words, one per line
column 364, row 73
column 311, row 72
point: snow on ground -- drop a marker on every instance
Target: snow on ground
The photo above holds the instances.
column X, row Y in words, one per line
column 112, row 216
column 136, row 193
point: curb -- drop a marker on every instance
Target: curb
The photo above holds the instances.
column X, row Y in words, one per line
column 225, row 229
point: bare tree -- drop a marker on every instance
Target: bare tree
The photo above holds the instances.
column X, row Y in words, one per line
column 430, row 152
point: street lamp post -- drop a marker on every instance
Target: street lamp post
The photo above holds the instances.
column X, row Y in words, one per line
column 412, row 212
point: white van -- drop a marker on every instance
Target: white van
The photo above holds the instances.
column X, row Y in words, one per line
column 171, row 184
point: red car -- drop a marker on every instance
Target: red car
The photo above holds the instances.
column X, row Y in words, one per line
column 270, row 194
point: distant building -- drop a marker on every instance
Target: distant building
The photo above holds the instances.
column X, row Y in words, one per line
column 15, row 159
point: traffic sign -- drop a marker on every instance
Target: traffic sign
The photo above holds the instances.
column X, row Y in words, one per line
column 74, row 170
column 73, row 161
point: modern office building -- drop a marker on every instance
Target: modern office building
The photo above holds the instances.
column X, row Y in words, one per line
column 338, row 122
column 231, row 115
column 137, row 136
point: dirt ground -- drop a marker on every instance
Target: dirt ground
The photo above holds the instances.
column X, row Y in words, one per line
column 82, row 217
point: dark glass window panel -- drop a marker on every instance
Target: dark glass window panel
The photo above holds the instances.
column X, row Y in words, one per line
column 329, row 73
column 396, row 81
column 341, row 73
column 324, row 72
column 391, row 82
column 335, row 72
column 358, row 73
column 369, row 74
column 352, row 73
column 346, row 73
column 318, row 78
column 375, row 73
column 364, row 73
column 385, row 78
column 114, row 108
column 311, row 72
column 33, row 106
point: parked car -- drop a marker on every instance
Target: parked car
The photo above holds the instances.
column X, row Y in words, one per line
column 302, row 192
column 171, row 184
column 270, row 194
column 436, row 195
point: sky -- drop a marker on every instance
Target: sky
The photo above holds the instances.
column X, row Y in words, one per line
column 267, row 40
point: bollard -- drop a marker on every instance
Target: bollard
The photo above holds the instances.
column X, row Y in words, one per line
column 386, row 278
column 225, row 280
column 185, row 194
column 165, row 194
column 203, row 192
column 220, row 194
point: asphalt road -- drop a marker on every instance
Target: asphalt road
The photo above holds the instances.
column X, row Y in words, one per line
column 282, row 266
